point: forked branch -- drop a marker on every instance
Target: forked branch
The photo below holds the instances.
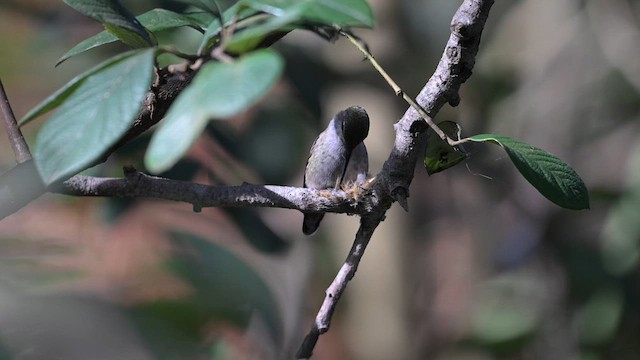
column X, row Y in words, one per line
column 392, row 184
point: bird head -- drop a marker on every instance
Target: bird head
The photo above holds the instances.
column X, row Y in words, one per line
column 352, row 124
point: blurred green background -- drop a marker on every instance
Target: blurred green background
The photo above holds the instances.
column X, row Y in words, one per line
column 482, row 267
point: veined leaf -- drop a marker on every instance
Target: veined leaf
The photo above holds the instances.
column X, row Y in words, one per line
column 213, row 30
column 94, row 116
column 130, row 38
column 206, row 5
column 247, row 40
column 154, row 20
column 58, row 97
column 161, row 19
column 552, row 177
column 286, row 15
column 202, row 18
column 115, row 18
column 348, row 13
column 219, row 90
column 99, row 39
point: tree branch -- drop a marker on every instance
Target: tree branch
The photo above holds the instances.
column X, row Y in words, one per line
column 19, row 146
column 333, row 293
column 392, row 184
column 139, row 185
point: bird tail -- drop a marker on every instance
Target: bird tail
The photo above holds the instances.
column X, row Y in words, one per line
column 310, row 223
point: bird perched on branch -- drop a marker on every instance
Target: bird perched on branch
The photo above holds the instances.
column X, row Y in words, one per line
column 338, row 157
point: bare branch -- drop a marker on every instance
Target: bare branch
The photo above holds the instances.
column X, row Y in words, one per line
column 333, row 293
column 19, row 146
column 392, row 184
column 452, row 71
column 139, row 185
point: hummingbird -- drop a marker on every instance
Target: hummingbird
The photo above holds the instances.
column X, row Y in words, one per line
column 338, row 156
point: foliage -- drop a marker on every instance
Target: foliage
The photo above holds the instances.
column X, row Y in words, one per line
column 93, row 115
column 556, row 180
column 112, row 92
column 219, row 90
column 155, row 20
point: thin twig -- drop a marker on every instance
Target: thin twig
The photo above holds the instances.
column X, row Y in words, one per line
column 333, row 293
column 396, row 88
column 18, row 144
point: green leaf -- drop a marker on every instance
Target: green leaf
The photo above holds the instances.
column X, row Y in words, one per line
column 598, row 320
column 94, row 116
column 161, row 19
column 552, row 177
column 154, row 20
column 219, row 90
column 206, row 5
column 225, row 283
column 116, row 19
column 507, row 310
column 213, row 30
column 57, row 98
column 620, row 243
column 129, row 37
column 286, row 13
column 347, row 13
column 171, row 328
column 439, row 155
column 249, row 39
column 202, row 18
column 99, row 39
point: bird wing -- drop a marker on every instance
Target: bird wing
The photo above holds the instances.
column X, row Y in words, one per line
column 311, row 151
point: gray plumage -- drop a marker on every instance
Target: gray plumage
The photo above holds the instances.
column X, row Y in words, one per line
column 338, row 156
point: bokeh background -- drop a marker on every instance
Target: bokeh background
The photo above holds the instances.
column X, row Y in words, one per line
column 481, row 267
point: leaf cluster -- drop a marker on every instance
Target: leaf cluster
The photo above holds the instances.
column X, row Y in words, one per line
column 233, row 71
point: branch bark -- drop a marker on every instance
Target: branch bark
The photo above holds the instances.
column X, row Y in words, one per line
column 368, row 224
column 138, row 185
column 392, row 184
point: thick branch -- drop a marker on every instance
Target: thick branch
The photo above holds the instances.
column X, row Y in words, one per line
column 139, row 185
column 393, row 182
column 452, row 71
